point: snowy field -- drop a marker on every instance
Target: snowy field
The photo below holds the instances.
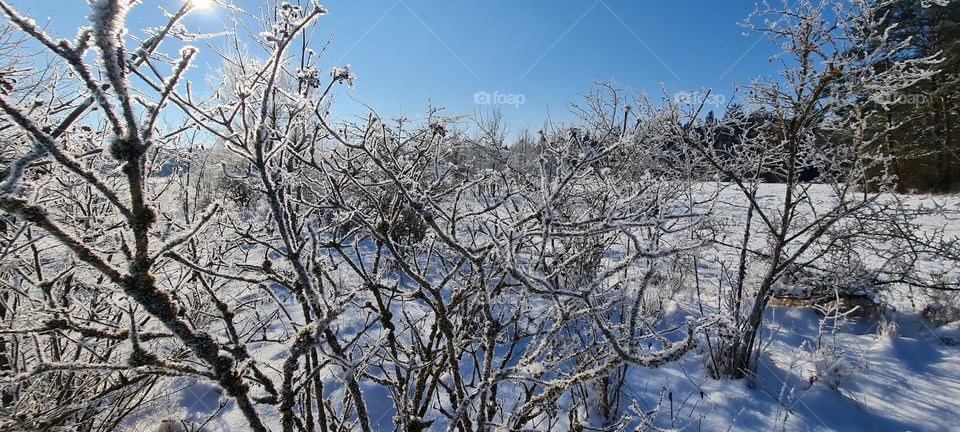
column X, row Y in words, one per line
column 899, row 375
column 896, row 373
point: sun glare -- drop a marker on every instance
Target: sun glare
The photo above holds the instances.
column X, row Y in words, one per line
column 201, row 4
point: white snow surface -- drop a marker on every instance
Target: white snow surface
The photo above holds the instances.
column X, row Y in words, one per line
column 898, row 375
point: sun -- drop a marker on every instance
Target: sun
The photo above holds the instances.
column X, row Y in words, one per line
column 201, row 4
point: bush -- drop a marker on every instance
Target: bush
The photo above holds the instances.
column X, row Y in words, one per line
column 941, row 314
column 830, row 368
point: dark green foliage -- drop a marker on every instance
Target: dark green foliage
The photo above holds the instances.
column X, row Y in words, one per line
column 927, row 144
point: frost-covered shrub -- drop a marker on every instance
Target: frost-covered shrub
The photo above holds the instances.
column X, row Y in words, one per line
column 404, row 225
column 831, row 367
column 941, row 313
column 848, row 305
column 222, row 175
column 802, row 138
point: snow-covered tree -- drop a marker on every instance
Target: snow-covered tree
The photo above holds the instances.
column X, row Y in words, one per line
column 815, row 127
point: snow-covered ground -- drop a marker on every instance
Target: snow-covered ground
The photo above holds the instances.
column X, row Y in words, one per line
column 897, row 375
column 894, row 374
column 901, row 380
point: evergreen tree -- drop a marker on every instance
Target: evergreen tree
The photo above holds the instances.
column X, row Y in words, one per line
column 926, row 145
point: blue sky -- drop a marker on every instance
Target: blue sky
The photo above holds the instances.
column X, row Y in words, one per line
column 549, row 52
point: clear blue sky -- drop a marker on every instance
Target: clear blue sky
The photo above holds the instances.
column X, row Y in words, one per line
column 405, row 52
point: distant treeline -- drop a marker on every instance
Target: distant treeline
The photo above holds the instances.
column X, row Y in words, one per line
column 924, row 147
column 927, row 140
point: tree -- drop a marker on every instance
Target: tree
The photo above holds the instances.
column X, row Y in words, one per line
column 828, row 52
